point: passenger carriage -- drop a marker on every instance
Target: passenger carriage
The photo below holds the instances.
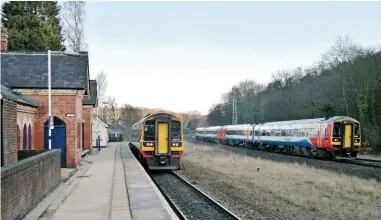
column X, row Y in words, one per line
column 330, row 137
column 200, row 133
column 211, row 134
column 237, row 134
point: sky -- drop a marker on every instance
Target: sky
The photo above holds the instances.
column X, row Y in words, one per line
column 182, row 56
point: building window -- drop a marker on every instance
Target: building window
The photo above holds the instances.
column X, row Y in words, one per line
column 30, row 137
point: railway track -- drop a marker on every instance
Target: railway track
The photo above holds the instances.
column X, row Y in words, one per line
column 188, row 201
column 357, row 161
column 366, row 162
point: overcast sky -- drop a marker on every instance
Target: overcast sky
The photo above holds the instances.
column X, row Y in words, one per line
column 183, row 56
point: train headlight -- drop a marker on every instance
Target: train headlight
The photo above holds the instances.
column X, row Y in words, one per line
column 177, row 144
column 149, row 144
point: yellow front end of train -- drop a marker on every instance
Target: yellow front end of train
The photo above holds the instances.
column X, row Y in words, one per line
column 345, row 138
column 157, row 141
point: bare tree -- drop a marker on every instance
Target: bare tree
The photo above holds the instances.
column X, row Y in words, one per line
column 101, row 84
column 73, row 13
column 343, row 50
column 112, row 111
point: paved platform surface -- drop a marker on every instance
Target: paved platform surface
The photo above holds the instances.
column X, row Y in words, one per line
column 115, row 186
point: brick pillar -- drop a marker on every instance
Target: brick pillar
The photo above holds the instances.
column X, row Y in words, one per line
column 87, row 117
column 10, row 131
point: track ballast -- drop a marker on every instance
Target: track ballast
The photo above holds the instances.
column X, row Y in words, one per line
column 188, row 201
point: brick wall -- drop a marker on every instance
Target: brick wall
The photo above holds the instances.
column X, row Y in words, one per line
column 87, row 116
column 61, row 106
column 19, row 181
column 10, row 131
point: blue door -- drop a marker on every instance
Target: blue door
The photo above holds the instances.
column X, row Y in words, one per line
column 58, row 138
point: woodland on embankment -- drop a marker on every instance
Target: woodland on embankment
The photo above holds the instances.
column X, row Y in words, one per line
column 346, row 81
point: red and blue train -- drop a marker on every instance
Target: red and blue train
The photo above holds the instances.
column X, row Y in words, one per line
column 330, row 137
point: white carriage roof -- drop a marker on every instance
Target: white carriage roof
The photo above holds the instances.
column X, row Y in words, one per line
column 306, row 121
column 242, row 126
column 302, row 121
column 213, row 128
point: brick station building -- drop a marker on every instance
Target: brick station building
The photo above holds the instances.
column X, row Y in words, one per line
column 24, row 77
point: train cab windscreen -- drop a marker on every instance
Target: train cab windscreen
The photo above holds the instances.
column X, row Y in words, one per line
column 149, row 131
column 176, row 131
column 356, row 130
column 336, row 130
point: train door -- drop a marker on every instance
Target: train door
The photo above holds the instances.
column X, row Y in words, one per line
column 320, row 136
column 248, row 133
column 348, row 135
column 163, row 134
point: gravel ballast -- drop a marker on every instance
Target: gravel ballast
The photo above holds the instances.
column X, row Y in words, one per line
column 191, row 203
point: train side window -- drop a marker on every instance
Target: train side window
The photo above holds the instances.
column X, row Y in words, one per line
column 284, row 133
column 277, row 133
column 337, row 129
column 300, row 133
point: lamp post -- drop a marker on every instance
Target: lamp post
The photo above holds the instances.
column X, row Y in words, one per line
column 50, row 121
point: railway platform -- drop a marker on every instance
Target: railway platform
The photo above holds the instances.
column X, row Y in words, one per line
column 114, row 186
